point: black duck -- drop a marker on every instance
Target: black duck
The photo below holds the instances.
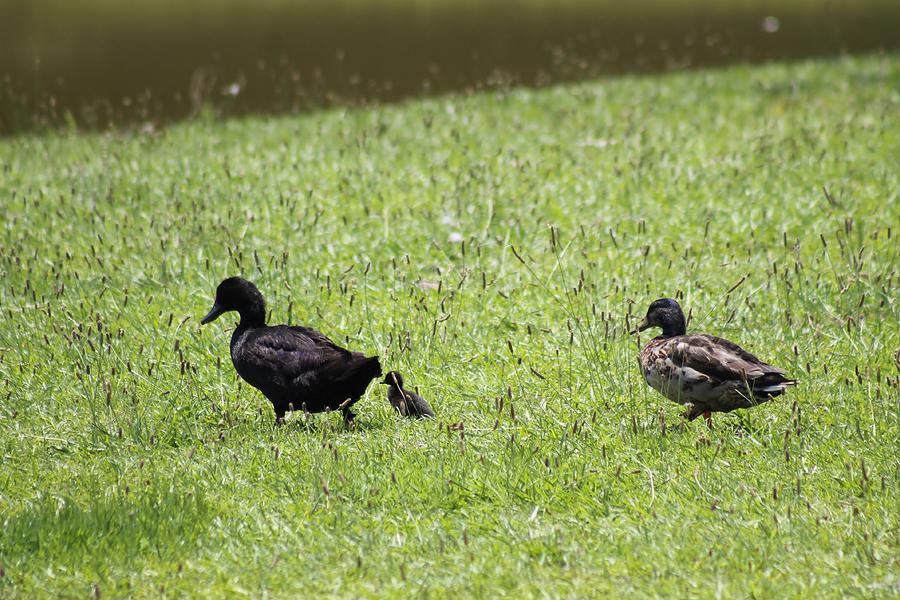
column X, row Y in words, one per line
column 296, row 368
column 409, row 404
column 704, row 373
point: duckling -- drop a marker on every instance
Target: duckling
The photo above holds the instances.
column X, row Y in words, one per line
column 296, row 368
column 704, row 373
column 408, row 404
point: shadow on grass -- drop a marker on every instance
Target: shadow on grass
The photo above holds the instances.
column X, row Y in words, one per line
column 116, row 528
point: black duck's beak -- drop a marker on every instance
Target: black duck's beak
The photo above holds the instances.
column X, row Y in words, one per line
column 644, row 324
column 213, row 314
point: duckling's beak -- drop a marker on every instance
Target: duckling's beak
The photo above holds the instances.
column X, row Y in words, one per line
column 213, row 314
column 644, row 324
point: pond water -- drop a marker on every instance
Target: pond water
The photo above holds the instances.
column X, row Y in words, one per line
column 99, row 63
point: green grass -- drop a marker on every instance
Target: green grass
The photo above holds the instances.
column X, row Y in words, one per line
column 134, row 460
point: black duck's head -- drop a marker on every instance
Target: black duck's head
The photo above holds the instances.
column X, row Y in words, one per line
column 236, row 293
column 666, row 314
column 393, row 378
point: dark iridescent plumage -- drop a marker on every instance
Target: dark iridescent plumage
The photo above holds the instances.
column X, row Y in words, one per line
column 705, row 373
column 408, row 404
column 296, row 368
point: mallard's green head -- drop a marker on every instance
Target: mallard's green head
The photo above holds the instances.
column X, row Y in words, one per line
column 666, row 314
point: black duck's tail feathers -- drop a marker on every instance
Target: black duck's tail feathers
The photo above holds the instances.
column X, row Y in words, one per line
column 372, row 367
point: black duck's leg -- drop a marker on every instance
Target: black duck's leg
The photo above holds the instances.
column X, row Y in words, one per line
column 708, row 416
column 348, row 414
column 691, row 414
column 279, row 415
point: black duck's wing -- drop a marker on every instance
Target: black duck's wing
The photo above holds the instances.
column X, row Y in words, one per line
column 291, row 356
column 421, row 408
column 317, row 337
column 720, row 359
column 339, row 365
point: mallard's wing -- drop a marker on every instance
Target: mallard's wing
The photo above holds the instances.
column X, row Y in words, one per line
column 724, row 361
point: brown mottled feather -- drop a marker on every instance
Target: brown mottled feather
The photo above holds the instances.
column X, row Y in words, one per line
column 703, row 372
column 719, row 358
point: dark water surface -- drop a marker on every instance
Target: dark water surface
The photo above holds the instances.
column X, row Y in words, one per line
column 101, row 63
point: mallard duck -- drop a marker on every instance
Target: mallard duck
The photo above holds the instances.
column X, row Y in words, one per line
column 703, row 372
column 408, row 404
column 296, row 368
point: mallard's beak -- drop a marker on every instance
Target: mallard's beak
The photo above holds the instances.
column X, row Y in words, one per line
column 644, row 324
column 213, row 314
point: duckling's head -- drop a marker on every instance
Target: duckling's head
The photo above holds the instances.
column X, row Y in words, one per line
column 393, row 378
column 666, row 314
column 236, row 293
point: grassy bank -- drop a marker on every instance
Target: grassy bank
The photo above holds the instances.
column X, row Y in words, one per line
column 134, row 461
